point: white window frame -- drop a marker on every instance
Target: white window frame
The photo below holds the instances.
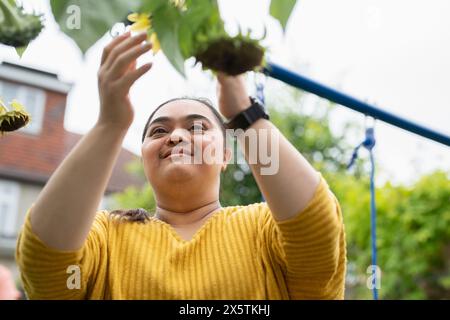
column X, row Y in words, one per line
column 9, row 198
column 39, row 97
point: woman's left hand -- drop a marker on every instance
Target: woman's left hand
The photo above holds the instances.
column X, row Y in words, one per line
column 232, row 95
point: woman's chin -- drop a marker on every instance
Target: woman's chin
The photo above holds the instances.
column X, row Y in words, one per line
column 183, row 161
column 178, row 170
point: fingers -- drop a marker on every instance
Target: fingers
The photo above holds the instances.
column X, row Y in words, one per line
column 123, row 46
column 112, row 45
column 132, row 66
column 131, row 77
column 119, row 61
column 125, row 59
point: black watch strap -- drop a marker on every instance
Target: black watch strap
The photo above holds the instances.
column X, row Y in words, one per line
column 248, row 117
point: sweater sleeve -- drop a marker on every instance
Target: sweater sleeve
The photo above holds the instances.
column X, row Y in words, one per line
column 53, row 274
column 310, row 247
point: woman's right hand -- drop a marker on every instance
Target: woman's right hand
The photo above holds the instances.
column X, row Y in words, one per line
column 116, row 75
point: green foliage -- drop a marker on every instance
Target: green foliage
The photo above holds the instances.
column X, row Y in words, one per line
column 202, row 19
column 193, row 28
column 166, row 23
column 96, row 18
column 18, row 28
column 133, row 198
column 413, row 226
column 281, row 10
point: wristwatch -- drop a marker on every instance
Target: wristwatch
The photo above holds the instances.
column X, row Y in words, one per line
column 248, row 117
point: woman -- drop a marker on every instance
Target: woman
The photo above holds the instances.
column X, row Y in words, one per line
column 293, row 247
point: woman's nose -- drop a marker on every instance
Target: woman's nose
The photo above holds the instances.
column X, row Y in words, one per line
column 178, row 135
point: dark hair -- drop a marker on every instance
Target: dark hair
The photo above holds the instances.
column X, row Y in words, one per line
column 206, row 102
column 141, row 215
column 135, row 215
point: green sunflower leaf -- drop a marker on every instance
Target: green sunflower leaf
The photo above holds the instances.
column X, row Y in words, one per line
column 20, row 51
column 86, row 21
column 282, row 10
column 166, row 23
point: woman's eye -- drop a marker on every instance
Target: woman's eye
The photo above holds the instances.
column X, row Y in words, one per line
column 158, row 131
column 198, row 127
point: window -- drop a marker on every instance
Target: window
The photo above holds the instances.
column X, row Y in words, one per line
column 33, row 99
column 9, row 202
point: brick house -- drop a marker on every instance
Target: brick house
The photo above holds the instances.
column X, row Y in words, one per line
column 29, row 156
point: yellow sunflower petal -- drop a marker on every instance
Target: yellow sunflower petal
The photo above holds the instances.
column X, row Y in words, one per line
column 141, row 21
column 17, row 106
column 155, row 41
column 133, row 17
column 140, row 26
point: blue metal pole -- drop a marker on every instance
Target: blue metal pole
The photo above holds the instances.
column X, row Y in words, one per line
column 301, row 82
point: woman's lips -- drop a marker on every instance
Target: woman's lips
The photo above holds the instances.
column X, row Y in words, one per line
column 179, row 153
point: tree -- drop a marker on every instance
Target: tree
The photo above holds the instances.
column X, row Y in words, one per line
column 413, row 226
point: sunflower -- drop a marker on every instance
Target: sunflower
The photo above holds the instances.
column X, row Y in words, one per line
column 143, row 23
column 18, row 28
column 231, row 55
column 13, row 120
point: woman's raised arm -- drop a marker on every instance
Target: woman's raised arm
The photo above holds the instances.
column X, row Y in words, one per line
column 304, row 229
column 290, row 182
column 63, row 214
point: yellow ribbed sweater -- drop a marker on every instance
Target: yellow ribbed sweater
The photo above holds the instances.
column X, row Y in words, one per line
column 240, row 252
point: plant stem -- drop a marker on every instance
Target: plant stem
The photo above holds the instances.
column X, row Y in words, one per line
column 9, row 13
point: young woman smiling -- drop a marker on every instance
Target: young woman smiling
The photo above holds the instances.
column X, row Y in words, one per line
column 292, row 247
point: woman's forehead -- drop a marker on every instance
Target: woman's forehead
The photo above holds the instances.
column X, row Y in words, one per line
column 182, row 108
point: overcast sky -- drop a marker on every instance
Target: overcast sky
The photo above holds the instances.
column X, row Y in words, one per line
column 393, row 53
